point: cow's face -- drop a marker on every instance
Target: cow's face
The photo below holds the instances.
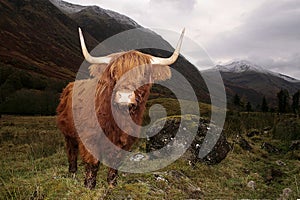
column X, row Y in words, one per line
column 132, row 74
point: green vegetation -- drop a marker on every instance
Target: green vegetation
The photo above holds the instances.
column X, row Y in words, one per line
column 264, row 105
column 296, row 103
column 283, row 101
column 27, row 93
column 34, row 165
column 172, row 107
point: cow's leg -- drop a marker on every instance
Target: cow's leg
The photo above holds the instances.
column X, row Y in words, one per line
column 112, row 177
column 72, row 152
column 91, row 166
column 115, row 161
column 91, row 175
column 125, row 144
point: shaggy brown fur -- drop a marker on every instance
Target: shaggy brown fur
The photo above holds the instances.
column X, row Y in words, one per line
column 110, row 74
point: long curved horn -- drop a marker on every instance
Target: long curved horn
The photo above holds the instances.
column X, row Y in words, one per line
column 87, row 56
column 173, row 58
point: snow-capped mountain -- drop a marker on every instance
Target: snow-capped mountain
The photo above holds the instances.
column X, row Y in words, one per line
column 253, row 81
column 69, row 8
column 246, row 66
column 287, row 78
column 240, row 66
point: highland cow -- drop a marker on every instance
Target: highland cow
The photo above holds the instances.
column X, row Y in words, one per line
column 109, row 70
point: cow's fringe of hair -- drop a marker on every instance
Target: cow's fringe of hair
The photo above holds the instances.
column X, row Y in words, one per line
column 127, row 61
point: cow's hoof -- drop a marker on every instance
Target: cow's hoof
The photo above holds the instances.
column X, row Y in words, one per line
column 90, row 184
column 73, row 175
column 72, row 168
column 111, row 186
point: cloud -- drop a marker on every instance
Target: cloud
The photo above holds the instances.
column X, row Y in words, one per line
column 181, row 5
column 269, row 36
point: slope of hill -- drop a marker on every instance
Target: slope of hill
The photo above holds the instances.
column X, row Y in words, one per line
column 102, row 24
column 254, row 82
column 40, row 50
column 37, row 37
column 39, row 54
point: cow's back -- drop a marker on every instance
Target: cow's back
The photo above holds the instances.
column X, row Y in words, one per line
column 64, row 112
column 84, row 97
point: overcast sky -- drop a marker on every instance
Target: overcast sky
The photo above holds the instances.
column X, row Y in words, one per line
column 265, row 32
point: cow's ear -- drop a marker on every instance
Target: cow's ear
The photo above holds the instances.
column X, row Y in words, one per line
column 97, row 69
column 161, row 72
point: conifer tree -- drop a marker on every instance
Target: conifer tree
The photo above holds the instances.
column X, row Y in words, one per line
column 264, row 105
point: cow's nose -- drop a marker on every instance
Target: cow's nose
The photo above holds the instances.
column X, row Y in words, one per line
column 125, row 98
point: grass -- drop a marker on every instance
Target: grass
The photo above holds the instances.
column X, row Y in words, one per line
column 172, row 107
column 34, row 166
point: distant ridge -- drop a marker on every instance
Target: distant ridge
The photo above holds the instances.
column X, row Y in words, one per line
column 69, row 8
column 244, row 66
column 252, row 82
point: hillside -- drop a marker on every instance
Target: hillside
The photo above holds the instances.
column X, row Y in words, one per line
column 94, row 20
column 99, row 22
column 40, row 52
column 37, row 37
column 253, row 82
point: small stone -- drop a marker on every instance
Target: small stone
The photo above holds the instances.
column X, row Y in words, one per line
column 251, row 185
column 268, row 128
column 159, row 178
column 244, row 144
column 270, row 148
column 137, row 157
column 280, row 163
column 295, row 145
column 286, row 191
column 253, row 133
column 285, row 194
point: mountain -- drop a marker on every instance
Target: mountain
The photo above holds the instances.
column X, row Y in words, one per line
column 246, row 66
column 99, row 22
column 253, row 82
column 39, row 38
column 39, row 54
column 102, row 24
column 40, row 51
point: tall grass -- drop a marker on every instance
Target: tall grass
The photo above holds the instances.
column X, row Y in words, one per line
column 34, row 166
column 239, row 123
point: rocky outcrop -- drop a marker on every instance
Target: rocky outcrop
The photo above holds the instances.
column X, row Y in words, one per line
column 165, row 130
